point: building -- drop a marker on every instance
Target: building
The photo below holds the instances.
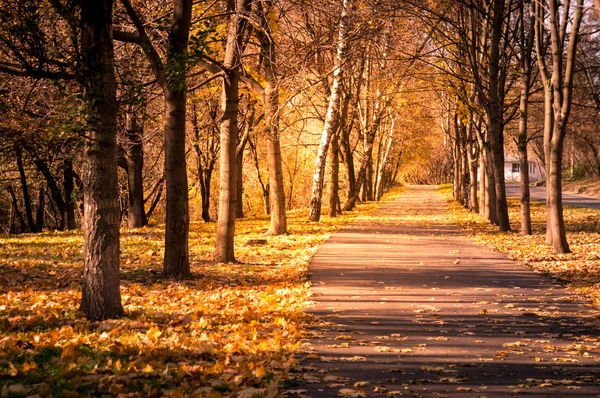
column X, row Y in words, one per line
column 512, row 169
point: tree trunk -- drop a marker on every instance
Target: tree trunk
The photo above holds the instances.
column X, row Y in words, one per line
column 472, row 169
column 239, row 156
column 335, row 173
column 271, row 103
column 224, row 248
column 523, row 160
column 16, row 210
column 239, row 185
column 331, row 119
column 135, row 165
column 101, row 297
column 362, row 173
column 39, row 216
column 25, row 188
column 68, row 188
column 176, row 261
column 495, row 114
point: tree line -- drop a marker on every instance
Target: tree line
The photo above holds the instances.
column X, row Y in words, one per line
column 111, row 106
column 121, row 112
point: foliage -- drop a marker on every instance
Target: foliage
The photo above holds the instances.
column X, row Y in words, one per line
column 231, row 330
column 579, row 269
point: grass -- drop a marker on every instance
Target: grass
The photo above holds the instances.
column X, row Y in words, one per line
column 231, row 330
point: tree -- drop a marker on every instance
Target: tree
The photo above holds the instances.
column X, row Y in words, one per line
column 332, row 117
column 558, row 90
column 101, row 298
column 268, row 56
column 224, row 247
column 171, row 76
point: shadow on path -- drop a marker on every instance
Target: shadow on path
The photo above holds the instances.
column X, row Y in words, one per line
column 407, row 306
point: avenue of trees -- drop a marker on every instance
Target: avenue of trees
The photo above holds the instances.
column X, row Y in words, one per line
column 121, row 113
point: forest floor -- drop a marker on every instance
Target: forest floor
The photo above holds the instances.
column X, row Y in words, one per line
column 408, row 305
column 230, row 330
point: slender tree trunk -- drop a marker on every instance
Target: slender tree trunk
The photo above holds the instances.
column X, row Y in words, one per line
column 135, row 166
column 362, row 173
column 239, row 156
column 25, row 189
column 495, row 112
column 16, row 211
column 224, row 248
column 101, row 297
column 331, row 119
column 335, row 173
column 239, row 185
column 68, row 188
column 382, row 183
column 39, row 216
column 523, row 159
column 472, row 170
column 176, row 261
column 277, row 190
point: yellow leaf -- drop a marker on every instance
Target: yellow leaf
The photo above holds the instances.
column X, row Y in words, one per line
column 148, row 369
column 259, row 372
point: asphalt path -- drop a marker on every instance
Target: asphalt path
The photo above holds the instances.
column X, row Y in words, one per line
column 406, row 305
column 539, row 193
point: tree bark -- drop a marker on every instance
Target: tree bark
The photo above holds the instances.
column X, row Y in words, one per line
column 472, row 167
column 31, row 226
column 101, row 297
column 135, row 165
column 271, row 104
column 176, row 261
column 239, row 156
column 495, row 112
column 224, row 247
column 332, row 116
column 16, row 210
column 68, row 188
column 335, row 174
column 526, row 44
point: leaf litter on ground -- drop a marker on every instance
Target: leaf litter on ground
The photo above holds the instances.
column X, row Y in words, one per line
column 230, row 330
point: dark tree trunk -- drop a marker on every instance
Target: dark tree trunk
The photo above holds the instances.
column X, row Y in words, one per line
column 176, row 261
column 101, row 298
column 39, row 217
column 335, row 173
column 239, row 190
column 25, row 189
column 135, row 166
column 472, row 166
column 239, row 156
column 16, row 210
column 263, row 187
column 362, row 173
column 68, row 188
column 348, row 156
column 523, row 160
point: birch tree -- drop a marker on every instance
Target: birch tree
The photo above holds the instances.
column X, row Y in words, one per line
column 332, row 116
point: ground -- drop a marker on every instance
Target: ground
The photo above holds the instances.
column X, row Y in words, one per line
column 481, row 326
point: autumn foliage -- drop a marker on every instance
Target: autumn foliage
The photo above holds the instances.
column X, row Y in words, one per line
column 232, row 329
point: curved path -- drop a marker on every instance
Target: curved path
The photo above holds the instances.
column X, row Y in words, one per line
column 571, row 199
column 410, row 307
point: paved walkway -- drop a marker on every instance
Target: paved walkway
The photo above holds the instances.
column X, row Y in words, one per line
column 410, row 307
column 539, row 193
